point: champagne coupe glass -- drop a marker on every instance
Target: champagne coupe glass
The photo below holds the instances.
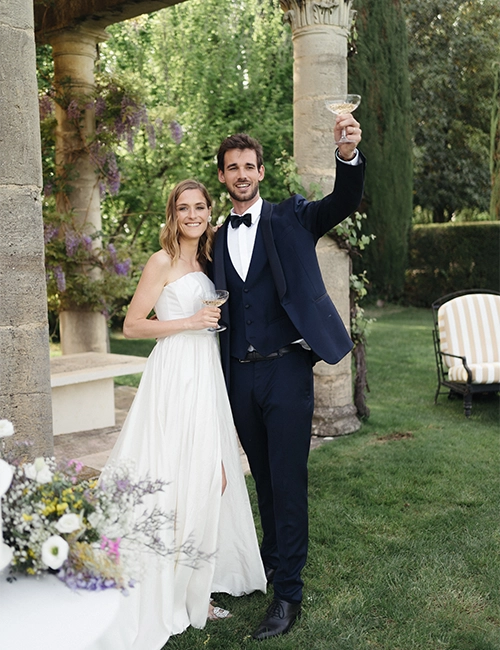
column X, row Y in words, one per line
column 340, row 105
column 216, row 298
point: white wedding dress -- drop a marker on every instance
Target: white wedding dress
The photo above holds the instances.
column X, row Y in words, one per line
column 180, row 429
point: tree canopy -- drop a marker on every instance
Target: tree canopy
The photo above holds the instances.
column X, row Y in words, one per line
column 453, row 47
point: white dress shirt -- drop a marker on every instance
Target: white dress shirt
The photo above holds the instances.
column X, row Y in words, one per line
column 240, row 241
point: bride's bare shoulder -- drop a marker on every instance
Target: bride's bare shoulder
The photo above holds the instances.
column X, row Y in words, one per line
column 160, row 260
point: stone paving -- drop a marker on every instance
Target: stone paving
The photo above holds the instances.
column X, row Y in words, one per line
column 92, row 448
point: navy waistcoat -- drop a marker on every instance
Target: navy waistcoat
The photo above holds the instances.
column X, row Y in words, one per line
column 257, row 317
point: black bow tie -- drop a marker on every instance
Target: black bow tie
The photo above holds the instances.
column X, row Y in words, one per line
column 236, row 220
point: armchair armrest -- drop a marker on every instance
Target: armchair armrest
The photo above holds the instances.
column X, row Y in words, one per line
column 464, row 361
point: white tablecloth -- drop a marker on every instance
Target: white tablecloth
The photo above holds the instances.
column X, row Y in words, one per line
column 44, row 614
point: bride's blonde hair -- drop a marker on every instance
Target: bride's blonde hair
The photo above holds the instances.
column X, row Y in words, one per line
column 169, row 235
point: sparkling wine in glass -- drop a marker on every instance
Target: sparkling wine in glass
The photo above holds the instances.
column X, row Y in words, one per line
column 216, row 298
column 340, row 105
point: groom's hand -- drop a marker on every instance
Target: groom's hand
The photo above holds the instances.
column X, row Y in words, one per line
column 353, row 132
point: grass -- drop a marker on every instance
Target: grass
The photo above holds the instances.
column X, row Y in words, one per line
column 404, row 531
column 404, row 534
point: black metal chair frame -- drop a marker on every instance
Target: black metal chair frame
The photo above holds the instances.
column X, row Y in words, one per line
column 466, row 389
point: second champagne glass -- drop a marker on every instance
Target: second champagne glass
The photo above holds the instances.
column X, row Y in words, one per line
column 216, row 298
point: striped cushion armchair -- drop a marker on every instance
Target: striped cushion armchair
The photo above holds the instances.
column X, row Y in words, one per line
column 467, row 343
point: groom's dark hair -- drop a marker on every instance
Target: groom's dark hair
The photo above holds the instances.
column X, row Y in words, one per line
column 240, row 141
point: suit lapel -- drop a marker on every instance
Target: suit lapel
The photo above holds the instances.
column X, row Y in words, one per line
column 220, row 243
column 272, row 253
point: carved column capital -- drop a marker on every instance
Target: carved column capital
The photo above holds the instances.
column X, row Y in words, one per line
column 307, row 13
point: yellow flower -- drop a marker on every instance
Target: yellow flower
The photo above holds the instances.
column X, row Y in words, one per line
column 31, row 571
column 27, row 517
column 61, row 507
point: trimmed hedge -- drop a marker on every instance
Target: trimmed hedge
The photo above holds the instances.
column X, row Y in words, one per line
column 444, row 258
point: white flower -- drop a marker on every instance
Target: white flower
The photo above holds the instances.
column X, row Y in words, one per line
column 44, row 475
column 55, row 552
column 30, row 471
column 38, row 471
column 96, row 520
column 68, row 523
column 6, row 473
column 6, row 428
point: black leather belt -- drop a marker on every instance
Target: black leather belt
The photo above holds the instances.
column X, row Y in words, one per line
column 255, row 356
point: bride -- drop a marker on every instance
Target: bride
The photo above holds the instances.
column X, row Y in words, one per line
column 180, row 429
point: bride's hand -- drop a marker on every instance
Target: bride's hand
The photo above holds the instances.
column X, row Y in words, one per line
column 205, row 318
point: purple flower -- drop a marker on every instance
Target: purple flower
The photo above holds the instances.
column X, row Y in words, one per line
column 176, row 131
column 87, row 242
column 112, row 251
column 49, row 232
column 72, row 241
column 47, row 189
column 100, row 106
column 150, row 130
column 60, row 278
column 96, row 154
column 122, row 268
column 46, row 106
column 113, row 175
column 73, row 111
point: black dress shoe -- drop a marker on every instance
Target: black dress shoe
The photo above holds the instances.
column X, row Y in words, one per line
column 269, row 574
column 280, row 617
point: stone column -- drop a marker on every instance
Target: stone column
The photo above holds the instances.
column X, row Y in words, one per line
column 74, row 52
column 25, row 397
column 319, row 32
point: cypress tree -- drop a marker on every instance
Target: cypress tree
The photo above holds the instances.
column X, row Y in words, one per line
column 378, row 71
column 495, row 148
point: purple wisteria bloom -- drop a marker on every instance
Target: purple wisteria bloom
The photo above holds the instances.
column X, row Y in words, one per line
column 122, row 268
column 113, row 174
column 87, row 242
column 49, row 232
column 73, row 111
column 176, row 131
column 60, row 278
column 72, row 241
column 100, row 106
column 46, row 106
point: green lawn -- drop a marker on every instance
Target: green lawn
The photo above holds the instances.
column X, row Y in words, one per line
column 404, row 534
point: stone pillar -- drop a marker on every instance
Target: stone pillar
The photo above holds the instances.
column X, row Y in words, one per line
column 319, row 33
column 25, row 397
column 74, row 52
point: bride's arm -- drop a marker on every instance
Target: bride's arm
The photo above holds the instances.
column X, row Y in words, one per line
column 153, row 279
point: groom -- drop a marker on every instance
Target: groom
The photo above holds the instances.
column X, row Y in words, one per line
column 280, row 321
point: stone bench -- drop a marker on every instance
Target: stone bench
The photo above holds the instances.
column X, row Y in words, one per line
column 83, row 389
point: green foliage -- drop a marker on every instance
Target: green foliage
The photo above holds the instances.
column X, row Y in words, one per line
column 450, row 257
column 379, row 73
column 452, row 46
column 210, row 68
column 495, row 146
column 82, row 274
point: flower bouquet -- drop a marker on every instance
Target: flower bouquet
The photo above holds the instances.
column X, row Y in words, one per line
column 86, row 532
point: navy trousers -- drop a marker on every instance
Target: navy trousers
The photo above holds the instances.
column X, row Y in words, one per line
column 272, row 403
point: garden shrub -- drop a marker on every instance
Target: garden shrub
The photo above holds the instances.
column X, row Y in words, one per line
column 444, row 258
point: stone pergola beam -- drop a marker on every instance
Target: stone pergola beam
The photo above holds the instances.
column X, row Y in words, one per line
column 68, row 14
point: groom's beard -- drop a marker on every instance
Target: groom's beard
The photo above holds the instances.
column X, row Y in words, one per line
column 243, row 198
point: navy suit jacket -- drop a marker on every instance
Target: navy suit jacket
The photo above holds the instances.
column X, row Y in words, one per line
column 291, row 230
